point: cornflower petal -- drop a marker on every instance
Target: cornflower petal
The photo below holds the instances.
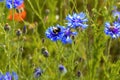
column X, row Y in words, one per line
column 13, row 3
column 55, row 33
column 112, row 30
column 77, row 20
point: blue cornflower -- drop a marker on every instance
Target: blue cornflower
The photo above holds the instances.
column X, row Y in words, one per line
column 15, row 76
column 1, row 0
column 77, row 20
column 9, row 76
column 60, row 33
column 116, row 13
column 62, row 69
column 13, row 3
column 37, row 72
column 55, row 33
column 112, row 30
column 45, row 52
column 67, row 36
column 1, row 76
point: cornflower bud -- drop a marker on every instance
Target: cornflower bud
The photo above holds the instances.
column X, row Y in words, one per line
column 18, row 32
column 6, row 27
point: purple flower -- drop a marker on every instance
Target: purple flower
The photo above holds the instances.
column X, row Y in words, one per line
column 67, row 36
column 13, row 3
column 24, row 30
column 116, row 13
column 45, row 52
column 112, row 30
column 1, row 0
column 15, row 76
column 77, row 20
column 60, row 33
column 62, row 69
column 1, row 76
column 78, row 73
column 8, row 76
column 55, row 33
column 37, row 72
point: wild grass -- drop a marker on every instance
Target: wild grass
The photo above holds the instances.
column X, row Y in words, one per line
column 92, row 52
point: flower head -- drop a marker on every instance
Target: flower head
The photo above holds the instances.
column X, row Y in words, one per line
column 67, row 36
column 77, row 20
column 24, row 30
column 7, row 27
column 45, row 52
column 78, row 73
column 116, row 13
column 60, row 33
column 37, row 72
column 18, row 32
column 9, row 76
column 15, row 76
column 13, row 3
column 112, row 30
column 62, row 69
column 1, row 76
column 1, row 0
column 55, row 33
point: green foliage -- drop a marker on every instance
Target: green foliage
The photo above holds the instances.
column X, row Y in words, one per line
column 92, row 53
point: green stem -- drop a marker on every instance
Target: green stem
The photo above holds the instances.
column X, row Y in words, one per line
column 108, row 50
column 37, row 13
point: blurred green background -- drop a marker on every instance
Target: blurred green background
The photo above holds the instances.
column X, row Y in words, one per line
column 95, row 54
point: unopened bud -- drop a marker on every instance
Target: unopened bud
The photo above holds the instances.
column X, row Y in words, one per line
column 43, row 40
column 78, row 73
column 24, row 30
column 6, row 27
column 44, row 52
column 18, row 32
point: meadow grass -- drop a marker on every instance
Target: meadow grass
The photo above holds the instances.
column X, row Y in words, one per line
column 92, row 53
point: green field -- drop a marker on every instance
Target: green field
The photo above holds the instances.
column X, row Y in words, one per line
column 92, row 55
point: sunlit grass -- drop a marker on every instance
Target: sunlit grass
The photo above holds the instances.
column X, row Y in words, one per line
column 92, row 53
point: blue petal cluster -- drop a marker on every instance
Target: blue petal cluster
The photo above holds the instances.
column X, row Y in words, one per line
column 112, row 30
column 37, row 72
column 64, row 34
column 1, row 0
column 55, row 33
column 77, row 20
column 60, row 33
column 9, row 76
column 1, row 76
column 67, row 36
column 62, row 69
column 13, row 3
column 116, row 13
